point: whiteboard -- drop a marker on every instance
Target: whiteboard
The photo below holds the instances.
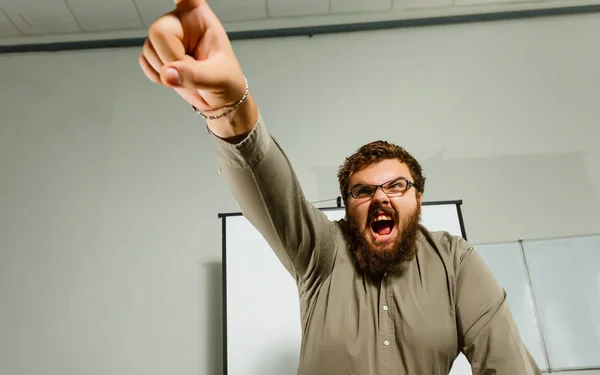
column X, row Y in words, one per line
column 507, row 264
column 565, row 275
column 262, row 329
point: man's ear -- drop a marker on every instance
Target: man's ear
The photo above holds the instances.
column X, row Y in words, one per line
column 419, row 198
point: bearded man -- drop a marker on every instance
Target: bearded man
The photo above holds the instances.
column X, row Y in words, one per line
column 379, row 293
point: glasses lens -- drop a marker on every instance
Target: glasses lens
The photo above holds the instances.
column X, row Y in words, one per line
column 396, row 187
column 363, row 191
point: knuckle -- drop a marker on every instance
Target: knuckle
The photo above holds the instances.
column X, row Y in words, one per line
column 146, row 48
column 142, row 61
column 158, row 28
column 147, row 69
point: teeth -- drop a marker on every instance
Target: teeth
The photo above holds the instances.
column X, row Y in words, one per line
column 383, row 217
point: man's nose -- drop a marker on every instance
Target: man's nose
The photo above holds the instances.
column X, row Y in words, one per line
column 380, row 196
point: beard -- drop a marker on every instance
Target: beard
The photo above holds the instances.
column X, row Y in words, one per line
column 376, row 259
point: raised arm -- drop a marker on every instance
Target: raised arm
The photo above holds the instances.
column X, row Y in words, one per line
column 265, row 186
column 488, row 334
column 189, row 51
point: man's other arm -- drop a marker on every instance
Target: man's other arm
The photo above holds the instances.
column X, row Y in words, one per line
column 488, row 334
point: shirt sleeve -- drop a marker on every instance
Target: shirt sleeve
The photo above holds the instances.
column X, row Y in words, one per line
column 488, row 334
column 263, row 183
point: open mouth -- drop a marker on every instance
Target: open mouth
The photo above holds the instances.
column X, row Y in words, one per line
column 382, row 226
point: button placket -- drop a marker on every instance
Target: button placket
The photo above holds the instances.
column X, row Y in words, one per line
column 385, row 327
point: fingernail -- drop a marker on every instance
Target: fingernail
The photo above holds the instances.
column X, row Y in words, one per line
column 173, row 76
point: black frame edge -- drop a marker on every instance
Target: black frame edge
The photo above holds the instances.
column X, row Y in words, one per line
column 461, row 220
column 431, row 203
column 317, row 30
column 224, row 291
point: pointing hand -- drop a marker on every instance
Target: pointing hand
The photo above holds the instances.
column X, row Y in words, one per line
column 188, row 50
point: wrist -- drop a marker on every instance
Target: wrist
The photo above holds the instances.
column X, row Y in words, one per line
column 236, row 125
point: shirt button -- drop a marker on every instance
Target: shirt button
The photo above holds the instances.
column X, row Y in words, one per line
column 386, row 343
column 385, row 308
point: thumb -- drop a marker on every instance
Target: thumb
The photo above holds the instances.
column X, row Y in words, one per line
column 191, row 74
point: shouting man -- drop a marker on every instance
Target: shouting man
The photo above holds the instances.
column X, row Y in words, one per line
column 379, row 293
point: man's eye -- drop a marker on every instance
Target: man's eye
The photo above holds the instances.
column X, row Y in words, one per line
column 398, row 186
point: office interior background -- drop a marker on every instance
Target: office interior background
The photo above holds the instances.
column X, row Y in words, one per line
column 110, row 238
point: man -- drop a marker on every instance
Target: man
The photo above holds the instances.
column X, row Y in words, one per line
column 379, row 294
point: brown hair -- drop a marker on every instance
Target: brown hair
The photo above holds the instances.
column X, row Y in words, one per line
column 372, row 153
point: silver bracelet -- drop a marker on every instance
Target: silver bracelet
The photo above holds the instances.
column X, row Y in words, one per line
column 233, row 108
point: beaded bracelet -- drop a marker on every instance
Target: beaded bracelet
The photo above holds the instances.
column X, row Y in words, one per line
column 233, row 108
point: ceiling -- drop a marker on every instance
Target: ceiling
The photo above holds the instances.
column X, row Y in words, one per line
column 28, row 20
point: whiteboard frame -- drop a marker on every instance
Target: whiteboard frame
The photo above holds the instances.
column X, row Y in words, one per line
column 224, row 216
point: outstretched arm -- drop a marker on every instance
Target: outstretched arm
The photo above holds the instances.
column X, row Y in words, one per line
column 188, row 50
column 488, row 334
column 265, row 186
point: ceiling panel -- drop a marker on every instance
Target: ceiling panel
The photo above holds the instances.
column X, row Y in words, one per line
column 283, row 8
column 360, row 5
column 150, row 10
column 7, row 28
column 403, row 4
column 239, row 10
column 41, row 17
column 47, row 17
column 106, row 14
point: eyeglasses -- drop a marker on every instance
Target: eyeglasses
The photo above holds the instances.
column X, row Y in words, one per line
column 391, row 188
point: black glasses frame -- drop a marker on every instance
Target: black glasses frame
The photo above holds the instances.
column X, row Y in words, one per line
column 409, row 184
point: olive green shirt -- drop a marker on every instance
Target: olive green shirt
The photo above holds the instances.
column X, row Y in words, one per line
column 414, row 321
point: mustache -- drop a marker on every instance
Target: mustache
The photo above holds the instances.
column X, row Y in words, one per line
column 386, row 210
column 368, row 259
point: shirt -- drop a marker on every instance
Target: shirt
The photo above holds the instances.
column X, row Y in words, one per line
column 414, row 321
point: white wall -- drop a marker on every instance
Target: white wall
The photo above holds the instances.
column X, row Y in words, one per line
column 110, row 245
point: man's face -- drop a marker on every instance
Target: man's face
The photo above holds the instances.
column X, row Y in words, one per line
column 383, row 227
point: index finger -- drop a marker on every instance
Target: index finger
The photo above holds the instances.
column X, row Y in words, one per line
column 187, row 5
column 166, row 36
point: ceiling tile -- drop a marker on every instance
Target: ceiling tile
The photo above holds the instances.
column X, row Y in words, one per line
column 150, row 10
column 106, row 14
column 283, row 8
column 239, row 10
column 338, row 6
column 403, row 4
column 41, row 17
column 7, row 28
